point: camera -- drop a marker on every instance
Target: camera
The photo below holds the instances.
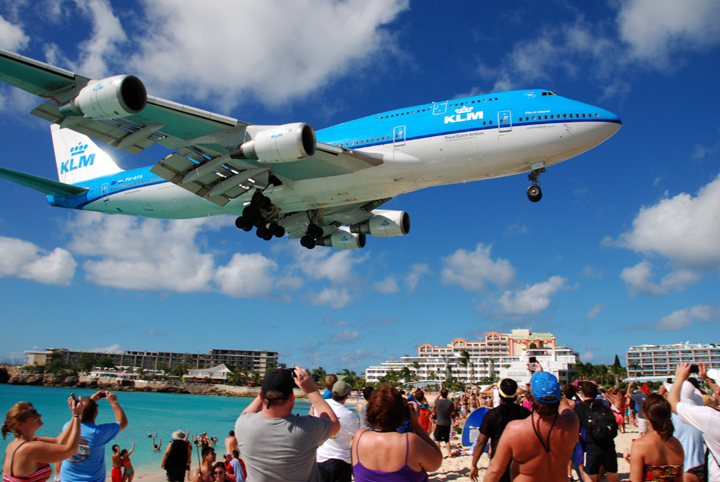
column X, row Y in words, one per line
column 292, row 372
column 102, row 395
column 74, row 397
column 531, row 365
column 694, row 368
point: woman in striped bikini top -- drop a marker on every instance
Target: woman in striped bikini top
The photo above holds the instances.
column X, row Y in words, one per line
column 27, row 458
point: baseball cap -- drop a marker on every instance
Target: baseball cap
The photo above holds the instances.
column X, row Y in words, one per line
column 545, row 387
column 646, row 389
column 278, row 380
column 178, row 435
column 507, row 388
column 341, row 388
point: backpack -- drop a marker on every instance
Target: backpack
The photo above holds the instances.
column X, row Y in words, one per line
column 602, row 426
column 424, row 418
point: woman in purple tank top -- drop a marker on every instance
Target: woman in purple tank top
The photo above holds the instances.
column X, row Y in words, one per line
column 383, row 454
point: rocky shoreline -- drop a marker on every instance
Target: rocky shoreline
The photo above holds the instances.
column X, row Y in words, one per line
column 17, row 376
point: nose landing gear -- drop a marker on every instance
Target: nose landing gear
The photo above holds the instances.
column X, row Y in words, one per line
column 534, row 192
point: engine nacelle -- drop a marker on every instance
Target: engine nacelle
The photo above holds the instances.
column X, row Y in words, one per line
column 384, row 224
column 118, row 96
column 343, row 240
column 285, row 143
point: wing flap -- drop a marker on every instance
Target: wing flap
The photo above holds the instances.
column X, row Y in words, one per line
column 45, row 186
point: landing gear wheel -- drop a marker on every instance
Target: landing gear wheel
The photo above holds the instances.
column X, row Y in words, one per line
column 534, row 193
column 264, row 233
column 243, row 223
column 276, row 230
column 315, row 231
column 307, row 242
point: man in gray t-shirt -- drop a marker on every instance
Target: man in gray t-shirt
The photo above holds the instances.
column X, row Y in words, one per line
column 445, row 411
column 275, row 444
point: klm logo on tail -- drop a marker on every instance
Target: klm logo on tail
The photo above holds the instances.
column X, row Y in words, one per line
column 76, row 162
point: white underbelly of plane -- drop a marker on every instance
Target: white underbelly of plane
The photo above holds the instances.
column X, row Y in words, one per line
column 447, row 160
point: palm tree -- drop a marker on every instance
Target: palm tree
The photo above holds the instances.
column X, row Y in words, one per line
column 416, row 367
column 465, row 359
column 237, row 377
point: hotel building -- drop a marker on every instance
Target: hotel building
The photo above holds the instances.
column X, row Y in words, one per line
column 246, row 360
column 657, row 362
column 470, row 361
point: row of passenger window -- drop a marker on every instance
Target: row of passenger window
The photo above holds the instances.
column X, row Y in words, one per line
column 382, row 138
column 485, row 123
column 559, row 116
column 428, row 109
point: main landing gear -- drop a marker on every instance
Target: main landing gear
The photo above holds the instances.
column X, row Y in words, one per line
column 254, row 215
column 534, row 192
column 313, row 233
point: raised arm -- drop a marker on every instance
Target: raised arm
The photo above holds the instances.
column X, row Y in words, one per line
column 305, row 382
column 713, row 384
column 51, row 452
column 681, row 374
column 120, row 416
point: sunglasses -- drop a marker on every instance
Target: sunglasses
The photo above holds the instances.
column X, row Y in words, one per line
column 219, row 472
column 32, row 413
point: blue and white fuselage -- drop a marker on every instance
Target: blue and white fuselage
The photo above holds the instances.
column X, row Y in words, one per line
column 448, row 142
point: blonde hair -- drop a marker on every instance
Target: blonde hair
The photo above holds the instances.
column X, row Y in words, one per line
column 18, row 413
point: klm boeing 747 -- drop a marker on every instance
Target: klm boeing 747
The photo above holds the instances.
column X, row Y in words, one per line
column 324, row 187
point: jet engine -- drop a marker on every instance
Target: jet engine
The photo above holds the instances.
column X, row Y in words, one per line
column 118, row 96
column 343, row 240
column 288, row 142
column 384, row 224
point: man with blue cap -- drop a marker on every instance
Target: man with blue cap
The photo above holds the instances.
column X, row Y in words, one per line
column 539, row 446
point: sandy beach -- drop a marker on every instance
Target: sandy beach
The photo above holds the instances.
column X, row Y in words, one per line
column 457, row 469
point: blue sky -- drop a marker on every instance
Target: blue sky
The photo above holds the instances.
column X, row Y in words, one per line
column 622, row 250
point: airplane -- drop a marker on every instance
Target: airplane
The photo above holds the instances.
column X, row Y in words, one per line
column 324, row 187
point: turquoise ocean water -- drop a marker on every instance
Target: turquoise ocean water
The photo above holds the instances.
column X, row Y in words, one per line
column 160, row 413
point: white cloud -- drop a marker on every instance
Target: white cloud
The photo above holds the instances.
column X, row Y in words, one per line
column 12, row 36
column 684, row 230
column 335, row 266
column 533, row 299
column 594, row 311
column 25, row 260
column 413, row 277
column 334, row 298
column 102, row 46
column 684, row 318
column 639, row 279
column 654, row 29
column 274, row 50
column 592, row 272
column 107, row 349
column 142, row 254
column 246, row 276
column 387, row 285
column 344, row 336
column 473, row 270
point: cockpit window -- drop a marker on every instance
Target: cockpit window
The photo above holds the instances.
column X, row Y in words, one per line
column 549, row 93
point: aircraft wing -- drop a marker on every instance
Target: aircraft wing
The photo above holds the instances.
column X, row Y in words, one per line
column 46, row 186
column 197, row 137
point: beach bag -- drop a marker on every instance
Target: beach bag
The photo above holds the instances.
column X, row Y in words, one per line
column 602, row 426
column 424, row 418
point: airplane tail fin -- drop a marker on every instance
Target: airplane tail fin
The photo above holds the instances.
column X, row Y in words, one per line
column 78, row 158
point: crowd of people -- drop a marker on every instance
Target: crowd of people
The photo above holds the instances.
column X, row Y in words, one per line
column 540, row 432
